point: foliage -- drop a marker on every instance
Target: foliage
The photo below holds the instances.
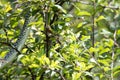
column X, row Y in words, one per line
column 69, row 39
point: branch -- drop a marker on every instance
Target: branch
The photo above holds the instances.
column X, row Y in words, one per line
column 93, row 28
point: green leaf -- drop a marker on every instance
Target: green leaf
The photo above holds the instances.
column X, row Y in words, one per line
column 76, row 76
column 61, row 8
column 3, row 53
column 109, row 43
column 104, row 50
column 34, row 66
column 116, row 73
column 106, row 68
column 89, row 67
column 118, row 32
column 84, row 13
column 116, row 68
column 44, row 60
column 99, row 18
column 25, row 60
column 104, row 62
column 47, row 61
column 8, row 8
column 91, row 50
column 79, row 25
column 54, row 65
column 85, row 38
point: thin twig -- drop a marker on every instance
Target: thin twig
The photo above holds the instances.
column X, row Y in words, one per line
column 62, row 77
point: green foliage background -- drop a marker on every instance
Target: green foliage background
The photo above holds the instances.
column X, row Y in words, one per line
column 69, row 39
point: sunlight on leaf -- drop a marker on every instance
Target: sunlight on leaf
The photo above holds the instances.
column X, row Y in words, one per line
column 118, row 32
column 103, row 50
column 89, row 66
column 34, row 66
column 76, row 75
column 104, row 62
column 85, row 38
column 3, row 53
column 44, row 60
column 106, row 68
column 54, row 65
column 25, row 60
column 79, row 25
column 8, row 8
column 24, row 50
column 99, row 18
column 109, row 43
column 59, row 7
column 91, row 50
column 84, row 13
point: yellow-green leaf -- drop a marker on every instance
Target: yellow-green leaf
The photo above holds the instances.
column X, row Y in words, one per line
column 34, row 66
column 91, row 50
column 84, row 13
column 104, row 50
column 76, row 75
column 85, row 38
column 79, row 25
column 8, row 8
column 99, row 18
